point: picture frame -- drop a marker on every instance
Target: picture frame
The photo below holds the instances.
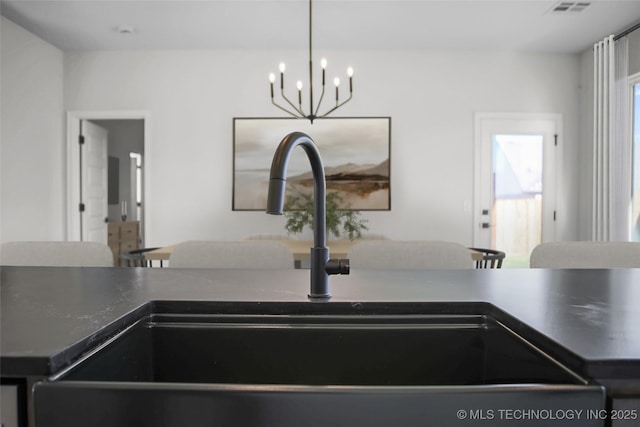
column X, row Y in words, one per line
column 356, row 153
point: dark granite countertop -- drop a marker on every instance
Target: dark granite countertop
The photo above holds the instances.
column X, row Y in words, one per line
column 51, row 315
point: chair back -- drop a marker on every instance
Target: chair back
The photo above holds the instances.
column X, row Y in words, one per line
column 394, row 254
column 56, row 254
column 586, row 255
column 246, row 254
column 488, row 258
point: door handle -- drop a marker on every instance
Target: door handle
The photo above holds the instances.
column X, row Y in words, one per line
column 485, row 225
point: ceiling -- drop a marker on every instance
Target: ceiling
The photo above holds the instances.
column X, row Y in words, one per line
column 498, row 25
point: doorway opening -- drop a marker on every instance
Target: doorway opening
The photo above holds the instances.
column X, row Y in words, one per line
column 124, row 137
column 515, row 207
column 105, row 183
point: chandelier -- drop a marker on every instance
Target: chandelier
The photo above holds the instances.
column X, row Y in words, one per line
column 313, row 113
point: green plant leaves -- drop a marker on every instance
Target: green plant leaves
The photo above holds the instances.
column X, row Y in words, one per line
column 298, row 210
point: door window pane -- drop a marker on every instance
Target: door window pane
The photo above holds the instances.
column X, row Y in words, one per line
column 517, row 196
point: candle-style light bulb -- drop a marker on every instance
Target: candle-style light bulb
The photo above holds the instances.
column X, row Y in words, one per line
column 350, row 71
column 323, row 64
column 350, row 74
column 299, row 84
column 272, row 78
column 281, row 67
column 336, row 82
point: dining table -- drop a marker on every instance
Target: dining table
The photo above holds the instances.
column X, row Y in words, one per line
column 300, row 249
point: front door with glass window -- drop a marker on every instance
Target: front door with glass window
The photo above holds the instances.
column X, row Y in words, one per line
column 515, row 190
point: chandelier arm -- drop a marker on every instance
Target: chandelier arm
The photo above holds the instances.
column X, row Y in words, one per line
column 291, row 104
column 296, row 114
column 319, row 102
column 336, row 107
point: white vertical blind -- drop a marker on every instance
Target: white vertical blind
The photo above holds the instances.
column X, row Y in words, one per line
column 611, row 144
column 623, row 148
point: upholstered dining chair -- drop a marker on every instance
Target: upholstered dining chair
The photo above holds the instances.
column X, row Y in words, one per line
column 586, row 255
column 264, row 254
column 56, row 254
column 394, row 254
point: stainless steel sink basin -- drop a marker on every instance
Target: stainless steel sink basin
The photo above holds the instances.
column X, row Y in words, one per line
column 308, row 369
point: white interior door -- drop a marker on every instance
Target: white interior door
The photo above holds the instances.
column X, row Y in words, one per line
column 93, row 183
column 515, row 201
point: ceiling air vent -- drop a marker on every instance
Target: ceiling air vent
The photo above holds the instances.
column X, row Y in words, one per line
column 569, row 6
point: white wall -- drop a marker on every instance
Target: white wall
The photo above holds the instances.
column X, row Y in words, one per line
column 32, row 188
column 431, row 96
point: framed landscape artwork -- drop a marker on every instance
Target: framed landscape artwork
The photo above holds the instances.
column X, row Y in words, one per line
column 355, row 152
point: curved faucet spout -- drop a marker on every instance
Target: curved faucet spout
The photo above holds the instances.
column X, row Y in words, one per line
column 278, row 179
column 321, row 266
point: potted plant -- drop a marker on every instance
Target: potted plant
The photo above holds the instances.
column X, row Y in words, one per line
column 298, row 210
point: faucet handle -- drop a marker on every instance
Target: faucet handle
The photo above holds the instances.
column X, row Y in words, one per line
column 337, row 266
